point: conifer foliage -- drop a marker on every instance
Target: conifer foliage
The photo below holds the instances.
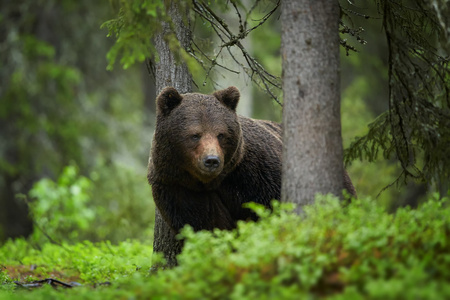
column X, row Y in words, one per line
column 416, row 128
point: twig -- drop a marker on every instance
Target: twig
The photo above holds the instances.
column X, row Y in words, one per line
column 229, row 39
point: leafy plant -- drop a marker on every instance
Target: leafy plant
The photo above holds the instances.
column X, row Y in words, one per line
column 336, row 250
column 60, row 208
column 115, row 201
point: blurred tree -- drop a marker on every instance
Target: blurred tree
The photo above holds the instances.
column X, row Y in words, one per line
column 36, row 95
column 57, row 100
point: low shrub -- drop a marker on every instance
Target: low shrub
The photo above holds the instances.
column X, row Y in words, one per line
column 114, row 203
column 337, row 250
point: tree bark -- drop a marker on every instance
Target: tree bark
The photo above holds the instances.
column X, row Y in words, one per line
column 312, row 153
column 170, row 72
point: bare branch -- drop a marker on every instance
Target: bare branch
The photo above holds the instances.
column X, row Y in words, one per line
column 263, row 79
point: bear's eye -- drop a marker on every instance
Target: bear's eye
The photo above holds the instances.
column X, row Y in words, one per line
column 220, row 136
column 195, row 137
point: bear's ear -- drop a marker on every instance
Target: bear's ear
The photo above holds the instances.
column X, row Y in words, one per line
column 167, row 100
column 229, row 97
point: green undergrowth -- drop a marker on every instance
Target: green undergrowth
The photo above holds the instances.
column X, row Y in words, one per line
column 84, row 263
column 337, row 250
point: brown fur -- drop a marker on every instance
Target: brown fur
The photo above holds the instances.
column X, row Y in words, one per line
column 191, row 128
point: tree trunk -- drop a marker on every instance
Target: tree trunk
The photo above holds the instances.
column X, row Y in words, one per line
column 170, row 72
column 14, row 218
column 312, row 153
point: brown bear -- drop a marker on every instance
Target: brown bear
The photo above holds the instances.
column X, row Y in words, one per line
column 206, row 161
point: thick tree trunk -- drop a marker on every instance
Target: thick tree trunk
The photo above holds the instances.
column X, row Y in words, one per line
column 312, row 153
column 170, row 72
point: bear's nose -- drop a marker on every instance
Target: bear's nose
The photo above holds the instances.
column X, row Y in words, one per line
column 211, row 162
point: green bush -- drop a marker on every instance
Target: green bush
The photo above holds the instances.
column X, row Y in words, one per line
column 114, row 203
column 337, row 250
column 60, row 209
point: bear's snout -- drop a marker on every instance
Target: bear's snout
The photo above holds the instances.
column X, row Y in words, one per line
column 211, row 162
column 208, row 158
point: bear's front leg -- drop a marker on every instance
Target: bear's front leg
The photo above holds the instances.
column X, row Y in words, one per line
column 202, row 210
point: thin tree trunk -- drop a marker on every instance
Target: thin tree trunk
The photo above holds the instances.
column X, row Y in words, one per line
column 312, row 153
column 14, row 219
column 170, row 72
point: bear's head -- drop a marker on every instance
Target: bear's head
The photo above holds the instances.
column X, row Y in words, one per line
column 197, row 138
